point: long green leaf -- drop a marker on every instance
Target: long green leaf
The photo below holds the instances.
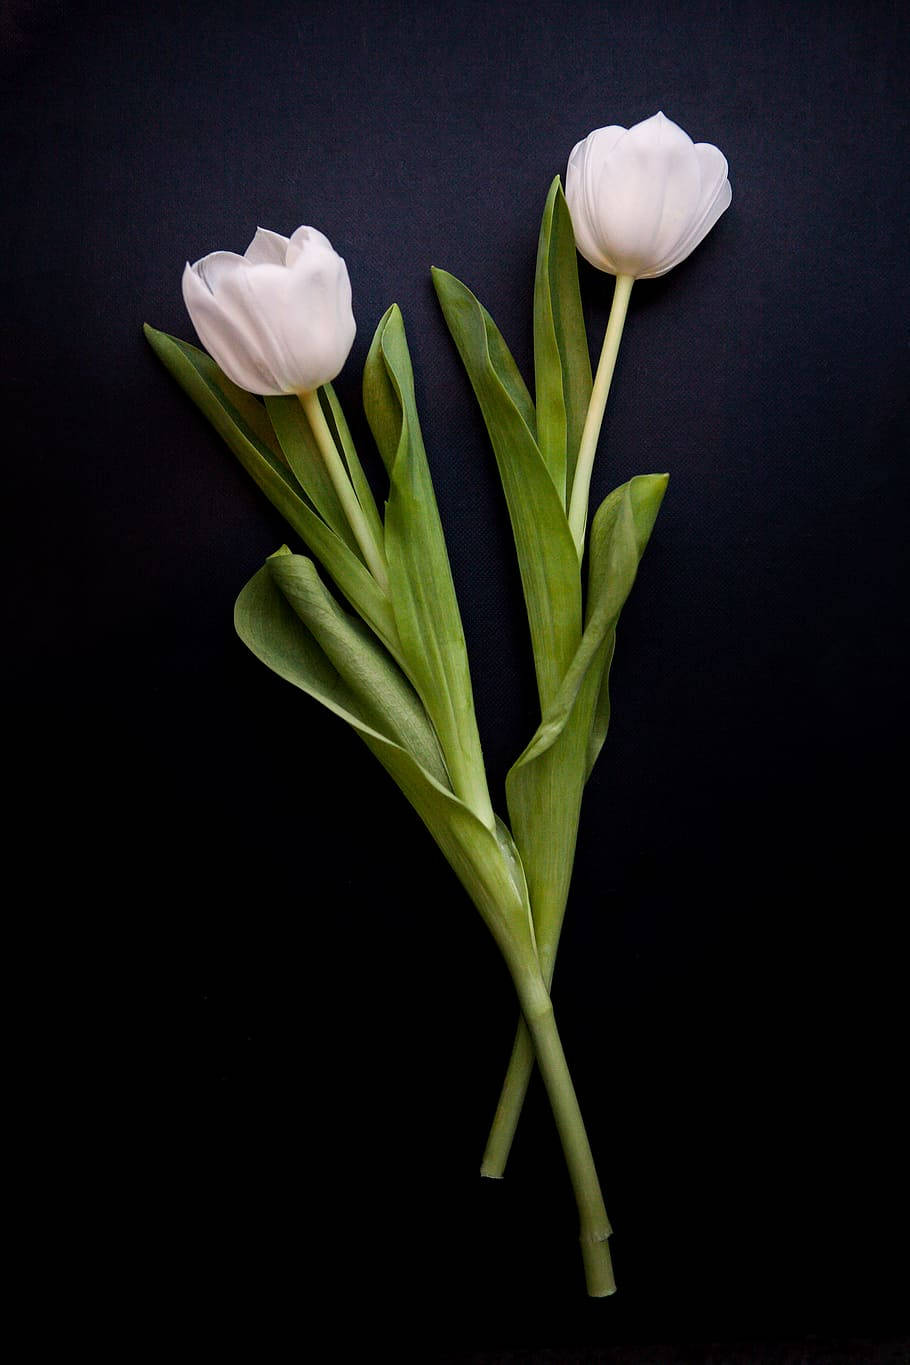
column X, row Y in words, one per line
column 484, row 860
column 562, row 362
column 547, row 558
column 422, row 591
column 215, row 396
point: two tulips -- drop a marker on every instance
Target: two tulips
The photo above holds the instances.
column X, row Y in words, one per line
column 278, row 321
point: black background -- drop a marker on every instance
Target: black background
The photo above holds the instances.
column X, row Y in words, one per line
column 261, row 1029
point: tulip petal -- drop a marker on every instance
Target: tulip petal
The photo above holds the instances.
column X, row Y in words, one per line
column 714, row 171
column 646, row 193
column 715, row 199
column 266, row 248
column 319, row 319
column 250, row 301
column 227, row 344
column 217, row 266
column 584, row 157
column 306, row 237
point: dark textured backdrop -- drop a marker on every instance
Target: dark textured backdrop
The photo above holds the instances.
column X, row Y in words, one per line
column 265, row 1030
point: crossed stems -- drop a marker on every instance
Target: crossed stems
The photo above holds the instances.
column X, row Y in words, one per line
column 540, row 1031
column 548, row 918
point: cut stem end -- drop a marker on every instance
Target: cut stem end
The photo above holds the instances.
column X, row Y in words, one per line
column 598, row 1268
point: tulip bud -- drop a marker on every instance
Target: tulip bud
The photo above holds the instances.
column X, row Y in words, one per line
column 642, row 199
column 278, row 319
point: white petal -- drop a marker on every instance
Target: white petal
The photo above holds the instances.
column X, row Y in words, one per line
column 217, row 266
column 253, row 300
column 646, row 194
column 303, row 238
column 714, row 171
column 267, row 248
column 225, row 336
column 300, row 317
column 319, row 326
column 714, row 200
column 589, row 240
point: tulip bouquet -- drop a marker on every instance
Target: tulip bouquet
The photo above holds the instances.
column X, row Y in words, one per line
column 277, row 325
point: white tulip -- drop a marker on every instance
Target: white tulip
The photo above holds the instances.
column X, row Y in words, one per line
column 642, row 199
column 277, row 319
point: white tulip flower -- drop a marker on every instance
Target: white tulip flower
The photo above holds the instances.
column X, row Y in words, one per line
column 278, row 319
column 642, row 198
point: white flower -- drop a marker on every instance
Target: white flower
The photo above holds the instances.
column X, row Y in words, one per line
column 642, row 199
column 278, row 318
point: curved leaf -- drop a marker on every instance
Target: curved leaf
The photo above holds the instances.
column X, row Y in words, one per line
column 562, row 361
column 386, row 698
column 214, row 395
column 547, row 558
column 485, row 861
column 619, row 534
column 544, row 787
column 421, row 587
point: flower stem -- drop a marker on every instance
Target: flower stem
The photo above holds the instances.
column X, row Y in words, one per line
column 511, row 1102
column 578, row 507
column 594, row 1226
column 372, row 552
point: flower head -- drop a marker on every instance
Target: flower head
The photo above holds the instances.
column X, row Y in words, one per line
column 278, row 318
column 642, row 198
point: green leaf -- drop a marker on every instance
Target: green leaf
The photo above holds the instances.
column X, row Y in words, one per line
column 619, row 534
column 303, row 455
column 485, row 861
column 544, row 787
column 386, row 698
column 562, row 362
column 231, row 413
column 422, row 591
column 645, row 495
column 547, row 558
column 600, row 721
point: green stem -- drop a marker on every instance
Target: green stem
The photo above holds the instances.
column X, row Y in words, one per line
column 594, row 1226
column 520, row 1069
column 581, row 484
column 546, row 834
column 511, row 1102
column 372, row 552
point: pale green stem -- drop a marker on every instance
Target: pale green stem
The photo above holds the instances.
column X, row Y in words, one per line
column 521, row 1062
column 519, row 1071
column 372, row 553
column 594, row 1226
column 511, row 1102
column 581, row 484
